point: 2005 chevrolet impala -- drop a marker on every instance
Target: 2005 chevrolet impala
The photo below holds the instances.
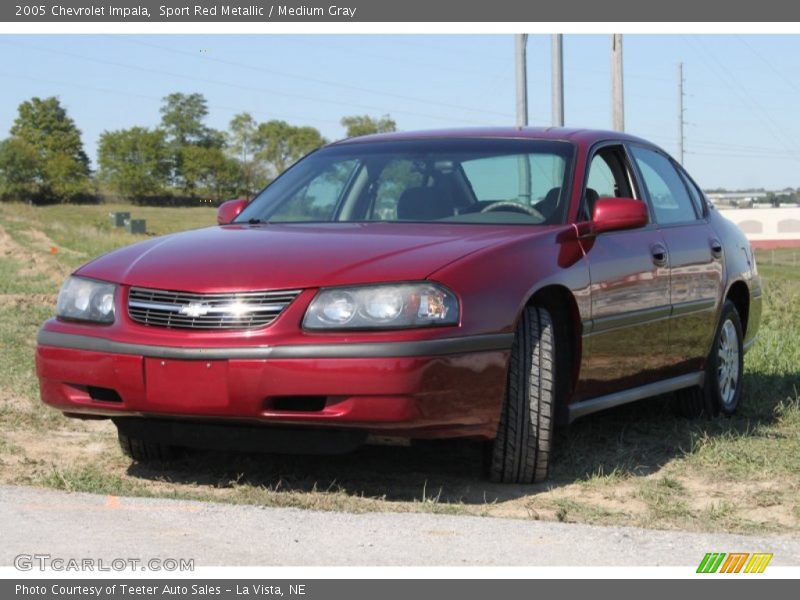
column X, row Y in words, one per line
column 472, row 283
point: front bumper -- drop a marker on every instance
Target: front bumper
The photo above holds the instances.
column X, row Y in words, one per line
column 432, row 388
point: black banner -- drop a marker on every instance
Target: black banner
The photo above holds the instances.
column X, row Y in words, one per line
column 465, row 11
column 386, row 589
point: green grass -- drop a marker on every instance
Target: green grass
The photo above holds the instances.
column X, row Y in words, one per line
column 91, row 479
column 665, row 499
column 634, row 465
column 83, row 232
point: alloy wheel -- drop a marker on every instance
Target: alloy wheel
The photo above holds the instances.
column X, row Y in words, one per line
column 728, row 363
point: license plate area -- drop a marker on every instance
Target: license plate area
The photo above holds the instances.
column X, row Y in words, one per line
column 186, row 383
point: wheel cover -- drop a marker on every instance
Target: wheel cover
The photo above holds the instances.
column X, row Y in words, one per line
column 728, row 363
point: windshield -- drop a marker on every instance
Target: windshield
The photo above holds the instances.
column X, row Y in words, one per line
column 466, row 181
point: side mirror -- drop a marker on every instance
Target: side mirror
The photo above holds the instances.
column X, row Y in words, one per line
column 615, row 214
column 229, row 210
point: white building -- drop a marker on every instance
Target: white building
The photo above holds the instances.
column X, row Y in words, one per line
column 767, row 227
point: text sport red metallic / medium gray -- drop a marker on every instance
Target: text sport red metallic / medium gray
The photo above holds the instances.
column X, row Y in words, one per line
column 471, row 283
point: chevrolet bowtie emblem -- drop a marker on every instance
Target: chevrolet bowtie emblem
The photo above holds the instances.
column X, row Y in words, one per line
column 195, row 309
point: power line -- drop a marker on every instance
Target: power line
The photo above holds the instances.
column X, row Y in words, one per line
column 159, row 98
column 755, row 108
column 228, row 84
column 316, row 80
column 439, row 48
column 749, row 155
column 769, row 63
column 384, row 58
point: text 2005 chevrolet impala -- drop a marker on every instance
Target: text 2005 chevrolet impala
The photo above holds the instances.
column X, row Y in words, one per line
column 472, row 283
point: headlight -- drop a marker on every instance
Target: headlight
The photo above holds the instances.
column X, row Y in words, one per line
column 86, row 300
column 382, row 306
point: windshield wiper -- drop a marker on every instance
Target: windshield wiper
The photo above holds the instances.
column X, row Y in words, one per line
column 257, row 222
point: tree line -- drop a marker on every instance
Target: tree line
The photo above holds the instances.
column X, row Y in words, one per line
column 183, row 159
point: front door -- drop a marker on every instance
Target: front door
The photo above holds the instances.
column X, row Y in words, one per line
column 626, row 340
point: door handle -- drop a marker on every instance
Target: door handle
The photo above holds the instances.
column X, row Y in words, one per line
column 659, row 254
column 716, row 249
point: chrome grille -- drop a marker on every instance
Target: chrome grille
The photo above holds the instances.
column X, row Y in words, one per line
column 187, row 310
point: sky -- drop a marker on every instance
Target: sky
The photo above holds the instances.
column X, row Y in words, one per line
column 741, row 103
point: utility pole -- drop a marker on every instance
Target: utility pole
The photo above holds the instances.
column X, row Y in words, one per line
column 681, row 122
column 557, row 68
column 521, row 40
column 617, row 90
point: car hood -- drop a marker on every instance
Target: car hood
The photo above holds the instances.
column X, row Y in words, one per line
column 287, row 256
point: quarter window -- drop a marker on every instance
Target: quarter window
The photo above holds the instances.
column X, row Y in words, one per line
column 668, row 194
column 698, row 198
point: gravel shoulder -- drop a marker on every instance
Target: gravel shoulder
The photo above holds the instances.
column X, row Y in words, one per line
column 69, row 525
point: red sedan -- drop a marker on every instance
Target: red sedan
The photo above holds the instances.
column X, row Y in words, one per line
column 472, row 283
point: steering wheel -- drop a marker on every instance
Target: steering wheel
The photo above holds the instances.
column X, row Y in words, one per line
column 506, row 205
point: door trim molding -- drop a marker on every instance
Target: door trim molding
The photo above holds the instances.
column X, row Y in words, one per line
column 639, row 317
column 687, row 307
column 627, row 319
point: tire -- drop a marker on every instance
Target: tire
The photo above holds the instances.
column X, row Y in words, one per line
column 722, row 389
column 521, row 451
column 145, row 451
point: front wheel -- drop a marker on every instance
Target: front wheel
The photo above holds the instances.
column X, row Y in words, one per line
column 146, row 451
column 722, row 388
column 521, row 451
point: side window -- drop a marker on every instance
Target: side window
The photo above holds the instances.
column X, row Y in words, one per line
column 668, row 194
column 698, row 199
column 608, row 178
column 601, row 178
column 317, row 200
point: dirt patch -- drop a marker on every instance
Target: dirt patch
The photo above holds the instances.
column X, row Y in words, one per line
column 59, row 448
column 26, row 300
column 36, row 260
column 41, row 242
column 12, row 403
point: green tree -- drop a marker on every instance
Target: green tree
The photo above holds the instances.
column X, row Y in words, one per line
column 364, row 125
column 208, row 170
column 134, row 162
column 20, row 170
column 46, row 143
column 183, row 119
column 281, row 144
column 183, row 116
column 242, row 143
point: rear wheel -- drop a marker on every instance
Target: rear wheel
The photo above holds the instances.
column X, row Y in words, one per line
column 144, row 450
column 722, row 387
column 521, row 451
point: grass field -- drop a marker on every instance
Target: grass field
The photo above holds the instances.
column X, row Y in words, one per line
column 635, row 465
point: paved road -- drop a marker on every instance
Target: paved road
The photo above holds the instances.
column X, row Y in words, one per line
column 76, row 525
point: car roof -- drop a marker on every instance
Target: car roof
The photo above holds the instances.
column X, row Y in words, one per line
column 583, row 136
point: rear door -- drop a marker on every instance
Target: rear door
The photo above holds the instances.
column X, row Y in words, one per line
column 695, row 256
